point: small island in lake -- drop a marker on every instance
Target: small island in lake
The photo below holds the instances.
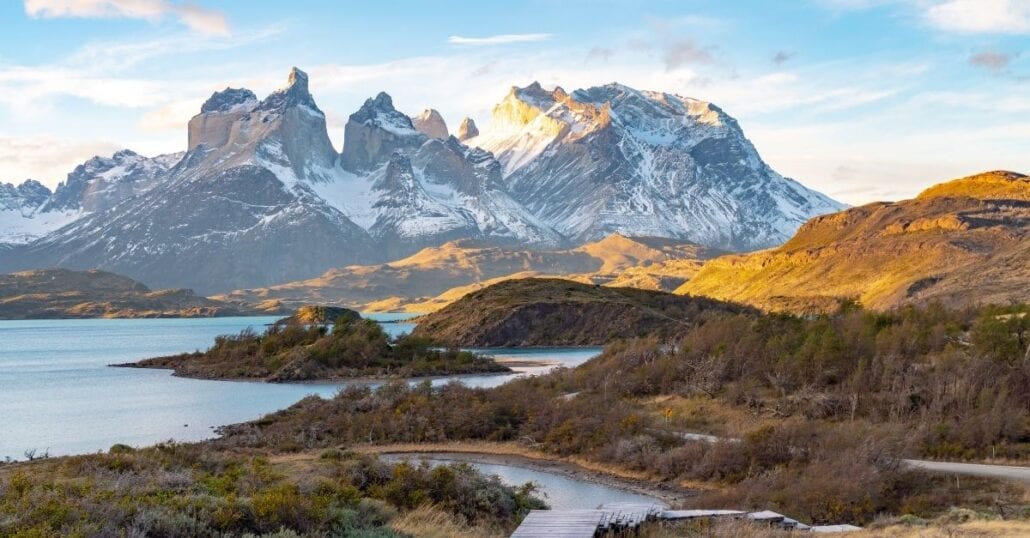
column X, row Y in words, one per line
column 321, row 344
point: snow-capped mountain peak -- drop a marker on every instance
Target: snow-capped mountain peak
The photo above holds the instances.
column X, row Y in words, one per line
column 294, row 94
column 18, row 205
column 530, row 119
column 285, row 132
column 615, row 159
column 97, row 184
column 230, row 100
column 374, row 133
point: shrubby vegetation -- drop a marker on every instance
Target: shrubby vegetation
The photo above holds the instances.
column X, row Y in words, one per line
column 190, row 490
column 296, row 351
column 827, row 407
column 842, row 399
column 959, row 381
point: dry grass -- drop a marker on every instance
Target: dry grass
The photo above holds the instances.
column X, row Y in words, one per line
column 702, row 414
column 965, row 530
column 743, row 529
column 998, row 184
column 431, row 522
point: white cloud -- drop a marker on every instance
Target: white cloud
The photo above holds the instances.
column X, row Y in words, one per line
column 46, row 158
column 118, row 55
column 22, row 86
column 501, row 39
column 196, row 18
column 94, row 73
column 981, row 16
column 171, row 116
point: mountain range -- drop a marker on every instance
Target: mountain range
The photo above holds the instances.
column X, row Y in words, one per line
column 260, row 195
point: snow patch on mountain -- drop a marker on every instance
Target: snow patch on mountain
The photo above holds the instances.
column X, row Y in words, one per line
column 614, row 159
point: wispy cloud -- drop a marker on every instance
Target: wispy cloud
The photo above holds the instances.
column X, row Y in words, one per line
column 958, row 16
column 97, row 72
column 981, row 16
column 110, row 56
column 501, row 39
column 22, row 86
column 198, row 19
column 686, row 51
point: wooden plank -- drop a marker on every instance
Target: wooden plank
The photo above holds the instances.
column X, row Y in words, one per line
column 560, row 523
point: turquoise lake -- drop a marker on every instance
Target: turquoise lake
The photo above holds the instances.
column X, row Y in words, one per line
column 58, row 394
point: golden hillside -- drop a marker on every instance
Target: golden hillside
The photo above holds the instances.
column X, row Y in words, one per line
column 960, row 242
column 436, row 276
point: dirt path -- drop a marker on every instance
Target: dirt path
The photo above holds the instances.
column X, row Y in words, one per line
column 1009, row 472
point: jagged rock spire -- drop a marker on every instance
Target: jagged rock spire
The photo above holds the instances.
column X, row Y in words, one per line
column 374, row 132
column 295, row 93
column 297, row 79
column 467, row 129
column 430, row 123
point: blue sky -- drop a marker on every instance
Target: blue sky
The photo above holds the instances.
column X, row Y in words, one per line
column 862, row 99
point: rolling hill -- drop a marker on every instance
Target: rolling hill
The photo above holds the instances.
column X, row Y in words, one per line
column 962, row 242
column 60, row 293
column 435, row 276
column 557, row 312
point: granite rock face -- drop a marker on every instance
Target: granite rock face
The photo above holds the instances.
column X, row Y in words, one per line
column 467, row 129
column 430, row 123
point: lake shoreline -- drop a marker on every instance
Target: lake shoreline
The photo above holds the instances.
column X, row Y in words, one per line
column 81, row 405
column 358, row 379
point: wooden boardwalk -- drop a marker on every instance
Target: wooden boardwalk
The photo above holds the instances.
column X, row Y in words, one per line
column 610, row 517
column 626, row 518
column 560, row 523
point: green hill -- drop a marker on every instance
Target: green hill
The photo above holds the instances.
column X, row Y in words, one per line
column 556, row 312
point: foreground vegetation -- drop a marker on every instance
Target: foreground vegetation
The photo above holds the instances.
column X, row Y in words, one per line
column 193, row 491
column 298, row 349
column 836, row 401
column 814, row 416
